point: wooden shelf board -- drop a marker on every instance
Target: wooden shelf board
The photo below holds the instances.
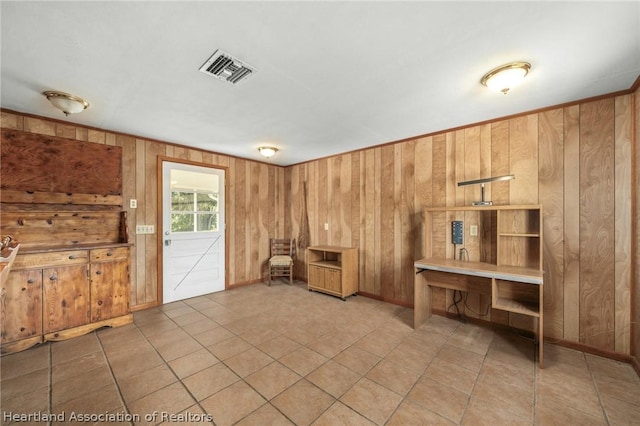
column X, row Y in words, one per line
column 518, row 307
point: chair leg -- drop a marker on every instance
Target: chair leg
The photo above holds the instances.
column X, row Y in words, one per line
column 290, row 274
column 269, row 282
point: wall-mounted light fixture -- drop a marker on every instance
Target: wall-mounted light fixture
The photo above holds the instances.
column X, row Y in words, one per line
column 267, row 151
column 482, row 201
column 69, row 104
column 505, row 77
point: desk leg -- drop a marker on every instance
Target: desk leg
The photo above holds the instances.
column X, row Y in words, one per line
column 421, row 300
column 541, row 328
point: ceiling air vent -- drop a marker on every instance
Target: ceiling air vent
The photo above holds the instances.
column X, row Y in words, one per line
column 225, row 67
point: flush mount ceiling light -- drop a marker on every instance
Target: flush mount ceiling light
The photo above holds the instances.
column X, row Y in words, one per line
column 505, row 77
column 65, row 102
column 267, row 151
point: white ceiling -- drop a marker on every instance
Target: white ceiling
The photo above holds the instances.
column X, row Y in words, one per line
column 331, row 76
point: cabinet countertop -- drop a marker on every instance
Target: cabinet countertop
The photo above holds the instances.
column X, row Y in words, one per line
column 33, row 250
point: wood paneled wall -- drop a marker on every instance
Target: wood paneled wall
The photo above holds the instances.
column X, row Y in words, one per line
column 576, row 161
column 255, row 200
column 635, row 176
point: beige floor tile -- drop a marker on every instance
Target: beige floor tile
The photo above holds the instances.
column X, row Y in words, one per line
column 133, row 362
column 555, row 412
column 178, row 348
column 514, row 399
column 411, row 356
column 481, row 413
column 516, row 375
column 461, row 357
column 272, row 379
column 303, row 402
column 357, row 359
column 452, row 374
column 24, row 362
column 439, row 398
column 510, row 348
column 172, row 399
column 574, row 392
column 265, row 415
column 189, row 318
column 210, row 380
column 303, row 361
column 214, row 335
column 192, row 363
column 623, row 390
column 600, row 366
column 329, row 345
column 248, row 362
column 393, row 377
column 371, row 400
column 379, row 343
column 232, row 404
column 340, row 414
column 65, row 390
column 74, row 348
column 73, row 367
column 146, row 382
column 25, row 383
column 202, row 325
column 412, row 413
column 192, row 416
column 229, row 347
column 471, row 338
column 258, row 335
column 34, row 401
column 441, row 325
column 333, row 378
column 91, row 401
column 621, row 412
column 278, row 346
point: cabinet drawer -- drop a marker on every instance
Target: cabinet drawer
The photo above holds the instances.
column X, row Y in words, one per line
column 56, row 258
column 112, row 253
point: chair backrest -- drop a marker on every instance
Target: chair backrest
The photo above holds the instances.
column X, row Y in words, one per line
column 283, row 247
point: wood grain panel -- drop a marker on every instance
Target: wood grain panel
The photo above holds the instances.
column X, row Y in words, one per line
column 523, row 159
column 386, row 224
column 49, row 164
column 597, row 227
column 370, row 283
column 500, row 162
column 571, row 222
column 550, row 173
column 153, row 280
column 623, row 212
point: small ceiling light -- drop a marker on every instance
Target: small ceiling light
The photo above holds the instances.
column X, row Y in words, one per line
column 267, row 151
column 503, row 78
column 65, row 102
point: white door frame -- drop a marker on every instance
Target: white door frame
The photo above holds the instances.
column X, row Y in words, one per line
column 160, row 221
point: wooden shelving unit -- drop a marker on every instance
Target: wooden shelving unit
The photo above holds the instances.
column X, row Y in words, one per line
column 332, row 270
column 506, row 262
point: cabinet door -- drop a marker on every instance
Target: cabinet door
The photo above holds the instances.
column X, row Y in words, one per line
column 21, row 302
column 66, row 297
column 333, row 280
column 109, row 290
column 316, row 276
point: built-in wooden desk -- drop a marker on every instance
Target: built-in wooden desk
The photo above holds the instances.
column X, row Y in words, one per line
column 512, row 288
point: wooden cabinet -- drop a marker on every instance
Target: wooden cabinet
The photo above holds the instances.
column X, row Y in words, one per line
column 21, row 301
column 501, row 256
column 109, row 283
column 333, row 270
column 59, row 294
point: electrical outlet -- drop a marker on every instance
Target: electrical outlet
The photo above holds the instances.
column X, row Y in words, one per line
column 457, row 228
column 140, row 229
column 326, row 226
column 473, row 230
column 150, row 229
column 133, row 203
column 145, row 229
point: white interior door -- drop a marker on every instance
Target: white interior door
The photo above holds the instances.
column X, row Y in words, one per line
column 193, row 228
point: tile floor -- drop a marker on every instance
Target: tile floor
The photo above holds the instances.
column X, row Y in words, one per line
column 281, row 355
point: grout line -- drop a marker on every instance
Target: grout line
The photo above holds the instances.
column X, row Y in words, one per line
column 113, row 377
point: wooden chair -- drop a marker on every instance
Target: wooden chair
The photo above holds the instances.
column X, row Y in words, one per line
column 282, row 256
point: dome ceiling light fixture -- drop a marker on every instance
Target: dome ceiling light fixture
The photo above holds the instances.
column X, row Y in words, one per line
column 69, row 104
column 267, row 151
column 505, row 77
